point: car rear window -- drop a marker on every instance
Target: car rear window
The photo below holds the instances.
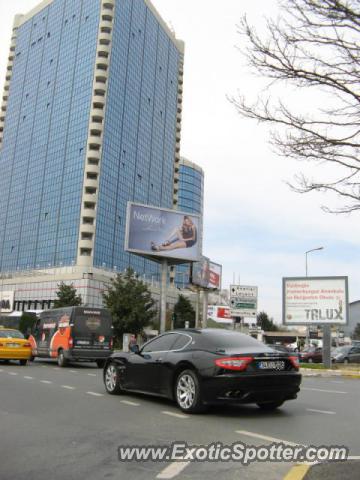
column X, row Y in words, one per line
column 228, row 340
column 10, row 334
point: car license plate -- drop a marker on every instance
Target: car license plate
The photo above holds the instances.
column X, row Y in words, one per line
column 13, row 345
column 272, row 365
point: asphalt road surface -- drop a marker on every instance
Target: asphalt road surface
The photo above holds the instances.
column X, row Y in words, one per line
column 61, row 424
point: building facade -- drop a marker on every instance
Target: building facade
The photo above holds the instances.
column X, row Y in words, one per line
column 190, row 198
column 90, row 119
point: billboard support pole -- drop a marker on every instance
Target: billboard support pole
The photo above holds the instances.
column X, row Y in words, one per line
column 163, row 291
column 197, row 309
column 327, row 346
column 205, row 308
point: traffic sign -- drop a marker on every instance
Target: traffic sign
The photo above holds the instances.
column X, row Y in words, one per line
column 243, row 300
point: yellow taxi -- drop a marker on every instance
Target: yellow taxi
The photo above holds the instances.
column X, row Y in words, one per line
column 14, row 346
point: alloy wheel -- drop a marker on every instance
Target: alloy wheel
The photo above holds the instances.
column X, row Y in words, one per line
column 110, row 378
column 186, row 391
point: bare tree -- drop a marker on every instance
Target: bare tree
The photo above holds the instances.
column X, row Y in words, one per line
column 313, row 44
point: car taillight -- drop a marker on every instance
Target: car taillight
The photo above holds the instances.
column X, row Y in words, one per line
column 27, row 345
column 71, row 342
column 295, row 362
column 111, row 342
column 233, row 363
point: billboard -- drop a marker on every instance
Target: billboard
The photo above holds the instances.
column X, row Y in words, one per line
column 6, row 302
column 243, row 300
column 206, row 274
column 162, row 233
column 315, row 300
column 220, row 314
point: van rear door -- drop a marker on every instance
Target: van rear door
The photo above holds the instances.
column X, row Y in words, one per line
column 92, row 329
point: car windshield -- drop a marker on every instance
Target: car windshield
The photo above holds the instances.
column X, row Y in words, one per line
column 309, row 349
column 341, row 350
column 10, row 334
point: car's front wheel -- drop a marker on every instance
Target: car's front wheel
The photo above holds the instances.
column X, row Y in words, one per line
column 112, row 379
column 23, row 362
column 270, row 405
column 188, row 392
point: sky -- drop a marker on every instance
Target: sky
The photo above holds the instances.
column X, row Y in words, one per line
column 254, row 225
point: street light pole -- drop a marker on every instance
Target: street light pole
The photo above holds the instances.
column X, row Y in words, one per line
column 306, row 258
column 306, row 274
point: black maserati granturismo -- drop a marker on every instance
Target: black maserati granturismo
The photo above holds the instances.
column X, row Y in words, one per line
column 199, row 367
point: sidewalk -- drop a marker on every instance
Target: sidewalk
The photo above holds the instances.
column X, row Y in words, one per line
column 310, row 372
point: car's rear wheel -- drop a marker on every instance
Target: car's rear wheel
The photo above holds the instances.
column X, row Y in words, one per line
column 112, row 379
column 23, row 362
column 270, row 405
column 188, row 392
column 61, row 360
column 310, row 360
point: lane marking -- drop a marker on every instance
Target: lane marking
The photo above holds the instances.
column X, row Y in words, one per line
column 46, row 381
column 73, row 371
column 269, row 439
column 44, row 366
column 127, row 402
column 56, row 368
column 13, row 373
column 92, row 374
column 323, row 390
column 172, row 470
column 173, row 414
column 328, row 412
column 297, row 472
column 95, row 394
column 28, row 378
column 353, row 457
column 337, row 381
column 68, row 387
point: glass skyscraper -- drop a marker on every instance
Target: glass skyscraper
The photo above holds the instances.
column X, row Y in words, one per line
column 90, row 119
column 190, row 198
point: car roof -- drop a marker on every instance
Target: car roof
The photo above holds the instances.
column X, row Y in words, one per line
column 207, row 331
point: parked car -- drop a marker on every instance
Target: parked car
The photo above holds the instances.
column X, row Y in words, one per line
column 198, row 367
column 311, row 355
column 14, row 346
column 283, row 348
column 346, row 354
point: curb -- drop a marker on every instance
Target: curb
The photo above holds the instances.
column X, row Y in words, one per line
column 297, row 472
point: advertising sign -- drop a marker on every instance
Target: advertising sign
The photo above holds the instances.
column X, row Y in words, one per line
column 206, row 274
column 219, row 313
column 243, row 300
column 315, row 300
column 161, row 233
column 6, row 302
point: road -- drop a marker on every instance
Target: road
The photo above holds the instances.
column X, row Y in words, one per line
column 59, row 423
